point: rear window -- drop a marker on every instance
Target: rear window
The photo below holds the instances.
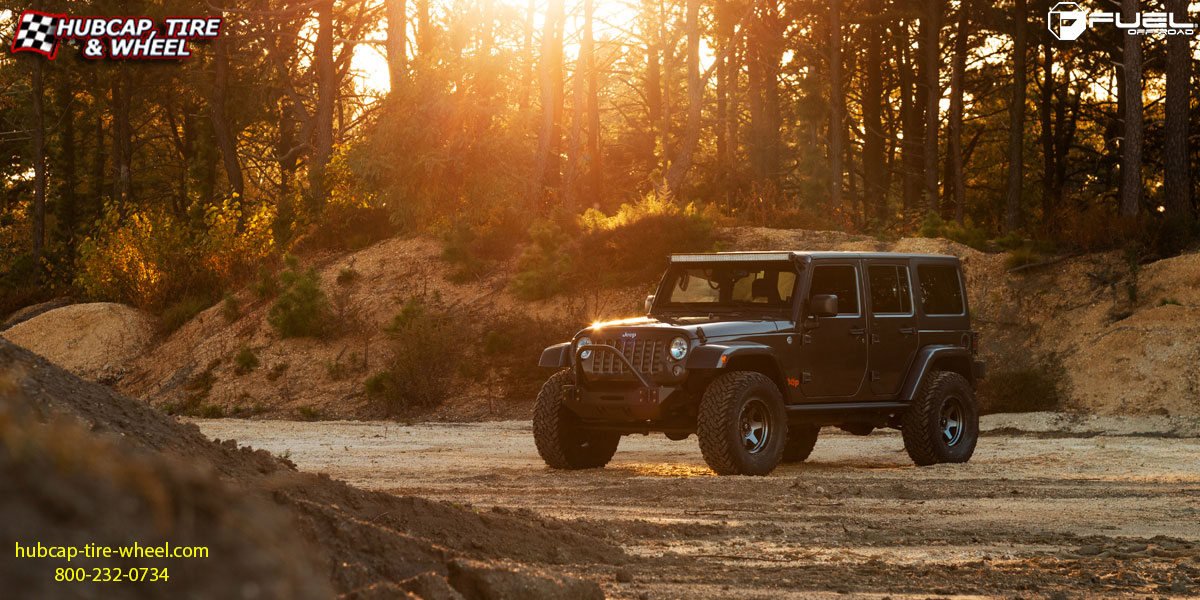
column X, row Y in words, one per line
column 941, row 291
column 889, row 290
column 840, row 281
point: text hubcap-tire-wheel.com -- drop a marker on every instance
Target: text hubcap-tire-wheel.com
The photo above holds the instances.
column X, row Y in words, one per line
column 755, row 427
column 951, row 422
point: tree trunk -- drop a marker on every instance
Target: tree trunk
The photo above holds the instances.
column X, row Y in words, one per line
column 1016, row 123
column 326, row 96
column 1048, row 157
column 528, row 67
column 911, row 109
column 425, row 40
column 67, row 206
column 836, row 119
column 226, row 139
column 122, row 137
column 39, row 165
column 873, row 158
column 653, row 86
column 550, row 73
column 397, row 42
column 595, row 159
column 933, row 98
column 578, row 115
column 957, row 182
column 733, row 112
column 683, row 160
column 1177, row 180
column 1131, row 144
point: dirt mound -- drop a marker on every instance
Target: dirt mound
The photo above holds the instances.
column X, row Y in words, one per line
column 32, row 311
column 91, row 340
column 361, row 539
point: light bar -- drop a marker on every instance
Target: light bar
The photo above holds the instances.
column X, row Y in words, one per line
column 730, row 257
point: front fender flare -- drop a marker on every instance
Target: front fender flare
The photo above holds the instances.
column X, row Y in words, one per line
column 558, row 355
column 716, row 356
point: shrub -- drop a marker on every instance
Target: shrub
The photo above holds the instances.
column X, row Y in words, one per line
column 346, row 225
column 231, row 309
column 244, row 361
column 301, row 309
column 308, row 413
column 427, row 344
column 1031, row 387
column 267, row 286
column 177, row 315
column 968, row 233
column 347, row 276
column 1021, row 257
column 150, row 257
column 513, row 344
column 629, row 247
column 475, row 244
column 211, row 411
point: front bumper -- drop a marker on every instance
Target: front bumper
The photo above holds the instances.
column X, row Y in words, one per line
column 639, row 400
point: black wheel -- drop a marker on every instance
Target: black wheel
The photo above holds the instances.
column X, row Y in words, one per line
column 742, row 425
column 800, row 442
column 942, row 425
column 556, row 432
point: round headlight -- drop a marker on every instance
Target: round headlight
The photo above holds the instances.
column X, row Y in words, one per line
column 584, row 341
column 679, row 348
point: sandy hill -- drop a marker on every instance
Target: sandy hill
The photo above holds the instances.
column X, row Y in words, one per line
column 80, row 463
column 1102, row 335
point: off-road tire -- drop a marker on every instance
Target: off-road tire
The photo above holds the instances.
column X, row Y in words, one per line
column 719, row 425
column 800, row 442
column 925, row 433
column 556, row 432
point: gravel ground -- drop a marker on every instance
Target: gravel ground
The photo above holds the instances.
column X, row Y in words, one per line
column 1050, row 506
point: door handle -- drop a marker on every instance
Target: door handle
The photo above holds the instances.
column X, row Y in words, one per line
column 858, row 331
column 907, row 330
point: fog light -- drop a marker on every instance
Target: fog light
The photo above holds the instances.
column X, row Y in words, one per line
column 677, row 370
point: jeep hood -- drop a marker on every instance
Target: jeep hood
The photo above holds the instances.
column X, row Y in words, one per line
column 714, row 328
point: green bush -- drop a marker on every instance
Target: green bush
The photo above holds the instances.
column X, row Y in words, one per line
column 244, row 361
column 1031, row 387
column 231, row 309
column 267, row 286
column 1020, row 257
column 968, row 233
column 628, row 248
column 301, row 309
column 427, row 343
column 512, row 346
column 177, row 315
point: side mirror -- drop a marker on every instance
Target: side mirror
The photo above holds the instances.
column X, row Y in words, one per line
column 823, row 305
column 649, row 303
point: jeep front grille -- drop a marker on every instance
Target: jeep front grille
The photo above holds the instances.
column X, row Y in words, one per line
column 646, row 355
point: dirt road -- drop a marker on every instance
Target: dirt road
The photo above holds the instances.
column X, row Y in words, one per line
column 1050, row 505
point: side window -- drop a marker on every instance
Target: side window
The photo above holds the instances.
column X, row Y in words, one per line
column 941, row 291
column 839, row 280
column 889, row 290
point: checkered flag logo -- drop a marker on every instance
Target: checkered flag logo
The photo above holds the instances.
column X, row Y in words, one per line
column 35, row 33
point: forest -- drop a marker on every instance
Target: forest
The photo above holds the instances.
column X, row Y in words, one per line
column 498, row 125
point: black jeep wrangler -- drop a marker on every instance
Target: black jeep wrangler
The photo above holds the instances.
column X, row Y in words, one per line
column 755, row 351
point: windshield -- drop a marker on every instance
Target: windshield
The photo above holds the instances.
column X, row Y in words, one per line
column 728, row 285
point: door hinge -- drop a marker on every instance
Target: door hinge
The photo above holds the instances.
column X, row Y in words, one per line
column 806, row 377
column 874, row 375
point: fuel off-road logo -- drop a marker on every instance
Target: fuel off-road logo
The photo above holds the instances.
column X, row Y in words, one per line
column 1067, row 21
column 112, row 37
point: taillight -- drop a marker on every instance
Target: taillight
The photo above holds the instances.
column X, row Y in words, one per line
column 975, row 342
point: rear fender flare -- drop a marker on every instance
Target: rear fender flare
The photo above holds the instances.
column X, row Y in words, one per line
column 937, row 358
